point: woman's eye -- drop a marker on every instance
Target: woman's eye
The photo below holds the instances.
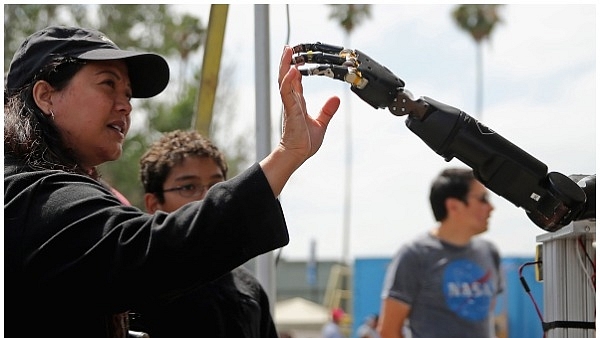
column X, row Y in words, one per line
column 110, row 83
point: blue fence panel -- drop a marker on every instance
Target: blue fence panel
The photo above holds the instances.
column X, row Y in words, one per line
column 367, row 284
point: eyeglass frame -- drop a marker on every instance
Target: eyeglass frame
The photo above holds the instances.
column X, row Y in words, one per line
column 182, row 189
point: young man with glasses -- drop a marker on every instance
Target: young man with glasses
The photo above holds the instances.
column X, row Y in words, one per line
column 444, row 283
column 177, row 169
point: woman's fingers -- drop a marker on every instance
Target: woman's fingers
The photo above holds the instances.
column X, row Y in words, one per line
column 284, row 63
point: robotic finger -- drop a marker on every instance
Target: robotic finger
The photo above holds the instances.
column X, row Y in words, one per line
column 335, row 72
column 318, row 47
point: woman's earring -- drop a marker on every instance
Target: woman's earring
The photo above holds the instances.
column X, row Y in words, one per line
column 52, row 114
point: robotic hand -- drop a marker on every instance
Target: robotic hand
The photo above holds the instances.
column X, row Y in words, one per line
column 551, row 200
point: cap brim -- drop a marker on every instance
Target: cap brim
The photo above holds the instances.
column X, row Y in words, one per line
column 148, row 72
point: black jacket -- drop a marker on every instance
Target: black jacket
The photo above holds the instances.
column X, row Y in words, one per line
column 74, row 255
column 233, row 306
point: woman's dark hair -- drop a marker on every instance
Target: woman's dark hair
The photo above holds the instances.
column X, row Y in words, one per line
column 450, row 183
column 31, row 135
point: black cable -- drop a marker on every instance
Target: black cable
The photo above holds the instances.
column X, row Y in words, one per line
column 287, row 13
column 528, row 291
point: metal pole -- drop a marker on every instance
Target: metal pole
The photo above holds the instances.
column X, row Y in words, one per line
column 347, row 219
column 265, row 264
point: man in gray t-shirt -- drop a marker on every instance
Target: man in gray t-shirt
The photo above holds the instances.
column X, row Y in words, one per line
column 444, row 283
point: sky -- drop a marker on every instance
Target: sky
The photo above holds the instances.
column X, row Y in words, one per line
column 539, row 92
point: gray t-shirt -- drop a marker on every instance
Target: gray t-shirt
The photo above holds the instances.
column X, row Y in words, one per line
column 450, row 289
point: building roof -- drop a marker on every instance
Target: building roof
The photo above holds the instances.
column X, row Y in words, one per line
column 296, row 312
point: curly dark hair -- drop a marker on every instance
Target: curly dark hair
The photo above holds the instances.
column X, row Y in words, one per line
column 171, row 149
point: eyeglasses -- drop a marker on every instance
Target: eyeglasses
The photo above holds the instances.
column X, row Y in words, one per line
column 191, row 190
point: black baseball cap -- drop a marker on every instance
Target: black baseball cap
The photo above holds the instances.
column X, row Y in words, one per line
column 148, row 72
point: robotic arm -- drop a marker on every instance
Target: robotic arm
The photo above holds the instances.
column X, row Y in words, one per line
column 551, row 200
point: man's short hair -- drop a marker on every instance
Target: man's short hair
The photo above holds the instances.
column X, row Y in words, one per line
column 450, row 183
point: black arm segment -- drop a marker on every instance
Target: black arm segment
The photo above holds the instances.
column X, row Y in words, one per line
column 551, row 200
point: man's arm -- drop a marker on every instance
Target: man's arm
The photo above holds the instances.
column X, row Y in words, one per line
column 392, row 316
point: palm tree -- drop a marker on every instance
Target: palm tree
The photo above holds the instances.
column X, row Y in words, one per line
column 479, row 21
column 349, row 16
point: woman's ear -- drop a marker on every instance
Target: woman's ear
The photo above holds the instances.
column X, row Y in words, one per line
column 42, row 95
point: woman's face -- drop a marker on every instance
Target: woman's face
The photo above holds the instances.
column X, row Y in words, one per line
column 93, row 112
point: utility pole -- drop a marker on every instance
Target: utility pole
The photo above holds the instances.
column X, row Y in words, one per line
column 265, row 263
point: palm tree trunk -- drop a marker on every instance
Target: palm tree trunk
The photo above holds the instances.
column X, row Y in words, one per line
column 479, row 81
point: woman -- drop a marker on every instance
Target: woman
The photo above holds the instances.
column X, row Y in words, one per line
column 76, row 258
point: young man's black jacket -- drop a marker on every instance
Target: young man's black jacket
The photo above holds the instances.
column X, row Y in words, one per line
column 232, row 306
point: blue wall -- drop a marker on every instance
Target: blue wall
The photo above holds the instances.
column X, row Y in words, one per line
column 366, row 293
column 514, row 305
